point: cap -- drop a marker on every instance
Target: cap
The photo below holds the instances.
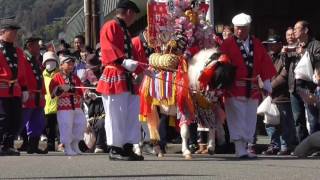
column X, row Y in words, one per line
column 31, row 39
column 241, row 19
column 127, row 4
column 66, row 58
column 9, row 23
column 48, row 56
column 92, row 61
column 272, row 40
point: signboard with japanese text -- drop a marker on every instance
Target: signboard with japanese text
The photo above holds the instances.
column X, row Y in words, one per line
column 157, row 21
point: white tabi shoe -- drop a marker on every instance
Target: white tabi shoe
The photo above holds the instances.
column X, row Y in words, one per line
column 252, row 156
column 75, row 147
column 240, row 148
column 137, row 149
column 68, row 150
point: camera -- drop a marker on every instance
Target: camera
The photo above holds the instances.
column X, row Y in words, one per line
column 291, row 48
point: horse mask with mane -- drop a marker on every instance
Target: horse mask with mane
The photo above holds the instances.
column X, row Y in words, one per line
column 210, row 68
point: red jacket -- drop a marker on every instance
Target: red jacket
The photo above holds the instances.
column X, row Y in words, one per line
column 113, row 78
column 64, row 100
column 262, row 66
column 139, row 53
column 6, row 76
column 33, row 89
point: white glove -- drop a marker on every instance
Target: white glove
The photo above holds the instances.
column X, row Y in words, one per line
column 260, row 82
column 25, row 96
column 92, row 95
column 267, row 86
column 130, row 65
column 65, row 87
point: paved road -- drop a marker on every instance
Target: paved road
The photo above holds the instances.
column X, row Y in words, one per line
column 172, row 166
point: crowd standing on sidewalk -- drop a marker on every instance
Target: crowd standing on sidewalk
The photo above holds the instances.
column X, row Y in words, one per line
column 88, row 101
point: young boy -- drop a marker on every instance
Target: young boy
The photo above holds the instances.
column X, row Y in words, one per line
column 50, row 62
column 71, row 119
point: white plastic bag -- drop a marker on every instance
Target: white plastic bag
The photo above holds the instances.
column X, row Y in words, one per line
column 304, row 68
column 272, row 116
column 264, row 105
column 270, row 111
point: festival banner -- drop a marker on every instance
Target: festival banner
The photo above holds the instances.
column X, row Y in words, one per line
column 157, row 21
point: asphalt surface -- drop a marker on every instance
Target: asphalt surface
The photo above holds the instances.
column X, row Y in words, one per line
column 220, row 166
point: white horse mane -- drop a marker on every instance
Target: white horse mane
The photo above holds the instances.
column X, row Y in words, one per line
column 197, row 64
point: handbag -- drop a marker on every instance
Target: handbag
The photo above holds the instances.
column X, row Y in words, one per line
column 270, row 111
column 90, row 139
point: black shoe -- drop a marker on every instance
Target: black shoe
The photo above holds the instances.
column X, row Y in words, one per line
column 37, row 151
column 244, row 157
column 135, row 157
column 116, row 154
column 193, row 148
column 315, row 154
column 248, row 157
column 128, row 151
column 271, row 151
column 23, row 147
column 9, row 152
column 211, row 152
column 51, row 147
column 284, row 152
column 33, row 146
column 163, row 149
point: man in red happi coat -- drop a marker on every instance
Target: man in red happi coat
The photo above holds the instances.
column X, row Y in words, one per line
column 13, row 87
column 252, row 62
column 116, row 84
column 33, row 109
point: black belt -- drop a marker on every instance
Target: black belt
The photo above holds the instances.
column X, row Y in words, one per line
column 129, row 82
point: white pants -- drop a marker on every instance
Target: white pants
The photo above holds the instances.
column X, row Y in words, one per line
column 241, row 118
column 72, row 124
column 122, row 119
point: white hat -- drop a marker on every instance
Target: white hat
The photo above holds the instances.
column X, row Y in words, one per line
column 241, row 19
column 49, row 55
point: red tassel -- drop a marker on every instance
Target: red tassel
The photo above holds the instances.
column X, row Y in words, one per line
column 184, row 101
column 206, row 75
column 194, row 50
column 224, row 59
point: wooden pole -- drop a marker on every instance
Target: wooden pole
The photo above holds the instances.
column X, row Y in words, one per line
column 95, row 22
column 87, row 23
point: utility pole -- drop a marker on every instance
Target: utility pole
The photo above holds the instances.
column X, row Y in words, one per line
column 87, row 22
column 95, row 22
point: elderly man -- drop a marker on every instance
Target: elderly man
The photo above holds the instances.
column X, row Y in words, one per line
column 13, row 87
column 307, row 44
column 116, row 83
column 252, row 62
